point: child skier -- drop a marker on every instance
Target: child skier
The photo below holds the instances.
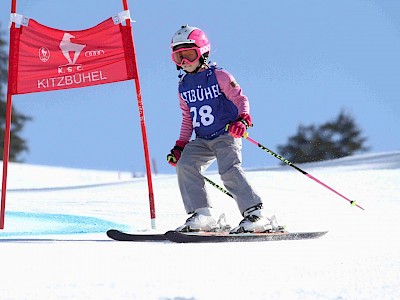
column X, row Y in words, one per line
column 214, row 106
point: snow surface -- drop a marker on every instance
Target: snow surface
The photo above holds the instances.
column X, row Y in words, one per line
column 358, row 259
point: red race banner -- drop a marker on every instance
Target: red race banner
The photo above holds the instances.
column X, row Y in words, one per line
column 47, row 59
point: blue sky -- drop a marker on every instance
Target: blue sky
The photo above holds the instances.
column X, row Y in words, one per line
column 299, row 62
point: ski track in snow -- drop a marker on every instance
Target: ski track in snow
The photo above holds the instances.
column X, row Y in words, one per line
column 358, row 259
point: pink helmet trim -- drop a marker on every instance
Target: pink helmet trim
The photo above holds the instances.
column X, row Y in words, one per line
column 191, row 35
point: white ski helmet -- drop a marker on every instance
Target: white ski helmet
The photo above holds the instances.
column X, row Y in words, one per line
column 191, row 35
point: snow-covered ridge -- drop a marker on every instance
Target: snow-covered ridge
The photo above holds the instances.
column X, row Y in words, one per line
column 384, row 160
column 381, row 160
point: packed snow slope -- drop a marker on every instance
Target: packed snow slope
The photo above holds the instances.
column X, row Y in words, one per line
column 358, row 259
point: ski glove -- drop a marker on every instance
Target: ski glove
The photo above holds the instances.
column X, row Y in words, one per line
column 238, row 128
column 175, row 155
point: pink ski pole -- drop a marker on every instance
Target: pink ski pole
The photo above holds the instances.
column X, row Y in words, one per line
column 352, row 202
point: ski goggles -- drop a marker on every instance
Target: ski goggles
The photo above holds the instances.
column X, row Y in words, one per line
column 188, row 55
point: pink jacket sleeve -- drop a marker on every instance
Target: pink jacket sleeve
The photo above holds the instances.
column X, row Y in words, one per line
column 232, row 91
column 187, row 125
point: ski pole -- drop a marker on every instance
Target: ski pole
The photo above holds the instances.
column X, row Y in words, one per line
column 217, row 186
column 352, row 202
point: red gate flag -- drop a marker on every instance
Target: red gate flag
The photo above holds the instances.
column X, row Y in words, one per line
column 47, row 59
column 44, row 59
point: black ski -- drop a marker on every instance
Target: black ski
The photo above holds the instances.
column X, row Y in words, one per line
column 209, row 237
column 123, row 236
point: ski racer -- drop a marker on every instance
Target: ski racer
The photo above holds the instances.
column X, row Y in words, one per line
column 214, row 107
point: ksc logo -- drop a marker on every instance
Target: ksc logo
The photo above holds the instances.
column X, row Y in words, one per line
column 44, row 54
column 67, row 47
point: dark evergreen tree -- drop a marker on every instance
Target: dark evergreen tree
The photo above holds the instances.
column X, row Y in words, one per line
column 334, row 139
column 17, row 143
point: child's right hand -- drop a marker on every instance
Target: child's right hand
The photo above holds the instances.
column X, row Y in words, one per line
column 176, row 152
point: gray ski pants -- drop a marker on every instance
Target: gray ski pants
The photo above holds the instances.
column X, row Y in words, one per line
column 198, row 156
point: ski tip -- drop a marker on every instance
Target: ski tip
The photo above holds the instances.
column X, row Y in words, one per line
column 135, row 237
column 112, row 233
